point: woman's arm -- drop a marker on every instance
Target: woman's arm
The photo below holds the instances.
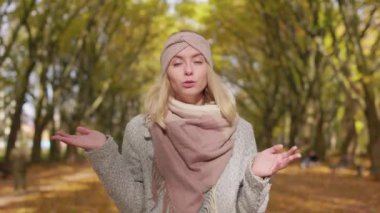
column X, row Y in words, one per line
column 120, row 174
column 253, row 194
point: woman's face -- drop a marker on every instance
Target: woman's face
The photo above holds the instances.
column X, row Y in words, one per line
column 187, row 74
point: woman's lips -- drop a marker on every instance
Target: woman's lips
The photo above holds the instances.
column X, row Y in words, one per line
column 188, row 84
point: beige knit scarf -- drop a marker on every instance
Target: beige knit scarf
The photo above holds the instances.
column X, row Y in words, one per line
column 190, row 154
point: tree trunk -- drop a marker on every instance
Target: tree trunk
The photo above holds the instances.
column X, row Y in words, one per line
column 42, row 119
column 347, row 150
column 55, row 148
column 39, row 128
column 373, row 124
column 267, row 131
column 36, row 149
column 294, row 123
column 16, row 117
column 320, row 143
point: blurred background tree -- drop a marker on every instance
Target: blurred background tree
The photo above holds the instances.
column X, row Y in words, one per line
column 304, row 73
column 75, row 62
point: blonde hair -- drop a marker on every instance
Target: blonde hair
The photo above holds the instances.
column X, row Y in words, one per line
column 156, row 100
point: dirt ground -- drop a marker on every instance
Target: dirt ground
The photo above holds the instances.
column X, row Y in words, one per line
column 76, row 188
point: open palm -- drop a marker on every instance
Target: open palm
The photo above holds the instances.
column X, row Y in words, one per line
column 273, row 159
column 86, row 138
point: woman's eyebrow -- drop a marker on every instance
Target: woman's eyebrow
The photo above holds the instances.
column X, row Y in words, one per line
column 193, row 56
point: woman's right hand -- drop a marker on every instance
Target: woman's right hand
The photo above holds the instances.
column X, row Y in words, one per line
column 86, row 138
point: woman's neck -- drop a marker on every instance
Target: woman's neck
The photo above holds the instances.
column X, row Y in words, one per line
column 192, row 100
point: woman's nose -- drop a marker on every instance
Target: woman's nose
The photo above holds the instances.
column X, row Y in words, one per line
column 188, row 69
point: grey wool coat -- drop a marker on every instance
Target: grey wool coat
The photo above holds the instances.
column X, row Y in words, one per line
column 127, row 177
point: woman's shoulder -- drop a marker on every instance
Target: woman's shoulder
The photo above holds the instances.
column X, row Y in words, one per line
column 138, row 120
column 244, row 124
column 138, row 126
column 136, row 136
column 246, row 137
column 244, row 130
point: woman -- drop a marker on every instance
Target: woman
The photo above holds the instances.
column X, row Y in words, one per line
column 190, row 151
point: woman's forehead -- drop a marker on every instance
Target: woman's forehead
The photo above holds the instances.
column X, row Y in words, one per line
column 188, row 52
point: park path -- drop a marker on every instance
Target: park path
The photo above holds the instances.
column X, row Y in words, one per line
column 68, row 187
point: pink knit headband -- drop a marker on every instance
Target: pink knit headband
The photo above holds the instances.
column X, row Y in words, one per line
column 179, row 41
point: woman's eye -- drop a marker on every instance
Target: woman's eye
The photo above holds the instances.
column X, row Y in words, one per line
column 198, row 62
column 176, row 64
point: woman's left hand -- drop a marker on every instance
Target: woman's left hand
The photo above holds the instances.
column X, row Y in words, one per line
column 273, row 159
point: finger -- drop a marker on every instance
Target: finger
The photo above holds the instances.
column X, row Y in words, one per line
column 62, row 133
column 68, row 140
column 83, row 130
column 57, row 138
column 54, row 138
column 290, row 152
column 285, row 162
column 64, row 136
column 276, row 148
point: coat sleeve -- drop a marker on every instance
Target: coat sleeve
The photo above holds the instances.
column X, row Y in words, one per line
column 253, row 194
column 121, row 174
